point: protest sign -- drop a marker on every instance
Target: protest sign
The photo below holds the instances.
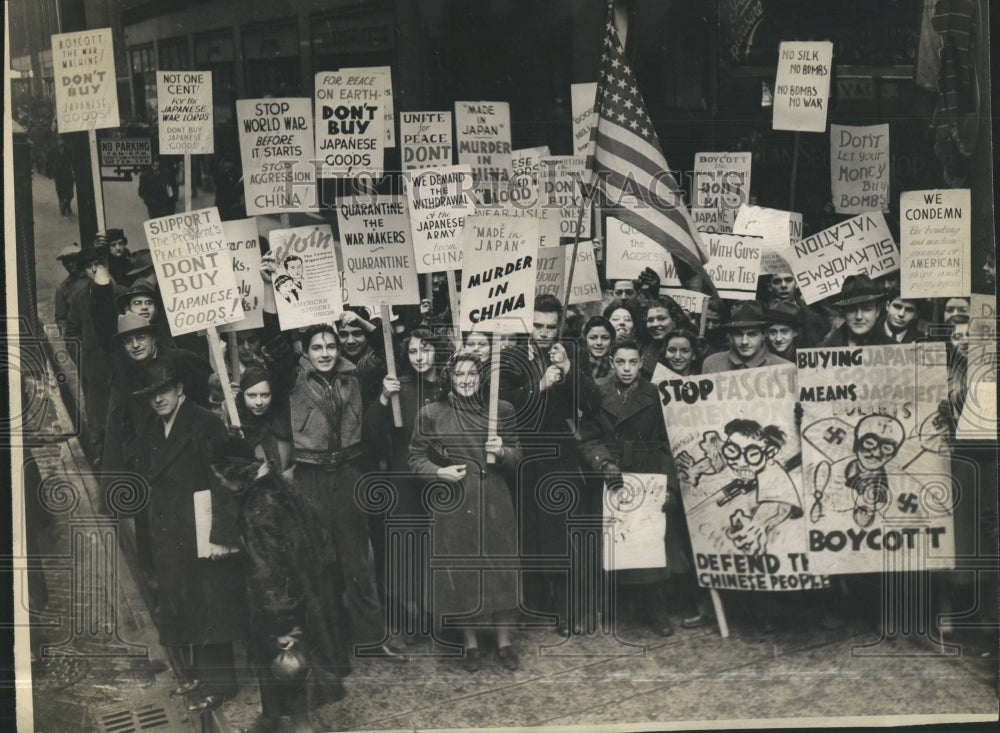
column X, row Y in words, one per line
column 582, row 97
column 425, row 139
column 499, row 256
column 821, row 262
column 777, row 230
column 439, row 202
column 521, row 190
column 194, row 270
column 385, row 98
column 129, row 152
column 736, row 446
column 859, row 168
column 630, row 252
column 638, row 524
column 185, row 114
column 733, row 264
column 482, row 132
column 276, row 146
column 875, row 458
column 802, row 86
column 376, row 251
column 977, row 419
column 550, row 276
column 721, row 182
column 83, row 67
column 307, row 281
column 586, row 286
column 560, row 198
column 711, row 221
column 244, row 244
column 690, row 300
column 350, row 123
column 935, row 239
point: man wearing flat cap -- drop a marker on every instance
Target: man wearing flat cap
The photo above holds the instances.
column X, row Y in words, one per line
column 861, row 304
column 745, row 332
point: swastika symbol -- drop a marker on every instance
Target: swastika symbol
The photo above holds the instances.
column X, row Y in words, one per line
column 834, row 435
column 908, row 503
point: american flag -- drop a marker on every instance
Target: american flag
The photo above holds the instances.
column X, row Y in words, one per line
column 628, row 164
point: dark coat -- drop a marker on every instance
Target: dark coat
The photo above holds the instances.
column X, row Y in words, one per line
column 201, row 601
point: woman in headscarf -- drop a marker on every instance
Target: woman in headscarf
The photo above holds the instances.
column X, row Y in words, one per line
column 264, row 418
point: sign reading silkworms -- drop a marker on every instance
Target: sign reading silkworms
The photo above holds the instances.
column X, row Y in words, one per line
column 349, row 123
column 859, row 168
column 802, row 86
column 426, row 139
column 935, row 237
column 439, row 200
column 83, row 67
column 482, row 131
column 306, row 281
column 244, row 244
column 184, row 109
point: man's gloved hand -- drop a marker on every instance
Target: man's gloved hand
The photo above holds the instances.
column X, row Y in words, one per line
column 612, row 475
column 648, row 282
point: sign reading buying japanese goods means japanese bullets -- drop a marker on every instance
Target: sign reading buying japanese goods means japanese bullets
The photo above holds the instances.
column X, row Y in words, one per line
column 194, row 269
column 184, row 109
column 349, row 123
column 83, row 67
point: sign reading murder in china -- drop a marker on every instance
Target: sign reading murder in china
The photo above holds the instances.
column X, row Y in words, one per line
column 306, row 280
column 349, row 123
column 802, row 86
column 482, row 132
column 184, row 109
column 439, row 201
column 426, row 139
column 935, row 238
column 83, row 67
column 194, row 270
column 859, row 168
column 276, row 146
column 244, row 244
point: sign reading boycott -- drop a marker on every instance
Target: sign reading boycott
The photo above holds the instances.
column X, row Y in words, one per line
column 734, row 265
column 582, row 97
column 376, row 252
column 439, row 202
column 306, row 281
column 426, row 139
column 349, row 123
column 738, row 456
column 130, row 152
column 83, row 65
column 276, row 147
column 777, row 230
column 935, row 237
column 630, row 252
column 802, row 86
column 244, row 244
column 499, row 271
column 721, row 181
column 184, row 109
column 823, row 261
column 194, row 269
column 859, row 168
column 482, row 130
column 875, row 458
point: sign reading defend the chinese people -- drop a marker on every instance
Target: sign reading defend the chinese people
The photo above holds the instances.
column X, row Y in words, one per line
column 802, row 86
column 185, row 114
column 83, row 67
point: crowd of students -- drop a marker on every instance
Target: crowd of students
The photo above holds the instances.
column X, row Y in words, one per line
column 296, row 487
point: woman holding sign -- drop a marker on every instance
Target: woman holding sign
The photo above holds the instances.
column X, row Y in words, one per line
column 473, row 512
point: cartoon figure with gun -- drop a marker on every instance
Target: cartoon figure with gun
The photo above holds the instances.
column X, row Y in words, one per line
column 749, row 453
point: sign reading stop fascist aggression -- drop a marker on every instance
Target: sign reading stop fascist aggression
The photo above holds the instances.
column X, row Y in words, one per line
column 83, row 67
column 184, row 110
column 349, row 123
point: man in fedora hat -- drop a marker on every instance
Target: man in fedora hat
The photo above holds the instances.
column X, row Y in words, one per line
column 142, row 269
column 75, row 279
column 745, row 331
column 861, row 306
column 201, row 598
column 781, row 288
column 785, row 319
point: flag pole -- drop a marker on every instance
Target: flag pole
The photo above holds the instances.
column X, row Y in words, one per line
column 795, row 170
column 584, row 206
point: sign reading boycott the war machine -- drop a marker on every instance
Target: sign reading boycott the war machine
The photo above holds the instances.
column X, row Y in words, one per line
column 83, row 67
column 876, row 458
column 736, row 446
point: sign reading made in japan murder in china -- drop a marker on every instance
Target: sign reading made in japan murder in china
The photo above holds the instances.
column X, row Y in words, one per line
column 482, row 132
column 376, row 251
column 859, row 168
column 823, row 261
column 736, row 446
column 875, row 457
column 83, row 67
column 499, row 272
column 935, row 235
column 802, row 86
column 439, row 201
column 194, row 269
column 733, row 264
column 306, row 280
column 276, row 147
column 349, row 123
column 721, row 185
column 184, row 109
column 426, row 139
column 244, row 244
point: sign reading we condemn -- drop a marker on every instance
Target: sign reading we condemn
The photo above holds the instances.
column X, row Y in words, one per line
column 83, row 65
column 935, row 237
column 184, row 110
column 802, row 86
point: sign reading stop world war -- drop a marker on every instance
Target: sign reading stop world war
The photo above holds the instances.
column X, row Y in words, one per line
column 184, row 109
column 721, row 185
column 376, row 251
column 349, row 123
column 802, row 86
column 276, row 147
column 560, row 199
column 638, row 524
column 935, row 238
column 244, row 244
column 777, row 231
column 194, row 269
column 83, row 67
column 482, row 131
column 439, row 201
column 306, row 281
column 733, row 264
column 875, row 458
column 859, row 168
column 823, row 261
column 738, row 456
column 499, row 267
column 582, row 97
column 630, row 252
column 426, row 139
column 129, row 152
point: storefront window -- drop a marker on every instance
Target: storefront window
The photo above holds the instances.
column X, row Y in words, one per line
column 215, row 52
column 142, row 64
column 271, row 58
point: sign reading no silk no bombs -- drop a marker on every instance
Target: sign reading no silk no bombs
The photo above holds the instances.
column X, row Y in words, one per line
column 349, row 123
column 184, row 109
column 83, row 67
column 935, row 236
column 802, row 86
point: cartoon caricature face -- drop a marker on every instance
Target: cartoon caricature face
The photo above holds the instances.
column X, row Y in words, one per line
column 745, row 456
column 877, row 439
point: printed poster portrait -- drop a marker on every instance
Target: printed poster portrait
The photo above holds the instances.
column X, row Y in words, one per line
column 305, row 276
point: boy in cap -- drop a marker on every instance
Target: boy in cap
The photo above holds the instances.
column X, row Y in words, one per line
column 747, row 344
column 861, row 305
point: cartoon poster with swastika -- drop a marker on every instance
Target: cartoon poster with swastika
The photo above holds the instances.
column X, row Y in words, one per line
column 878, row 486
column 736, row 446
